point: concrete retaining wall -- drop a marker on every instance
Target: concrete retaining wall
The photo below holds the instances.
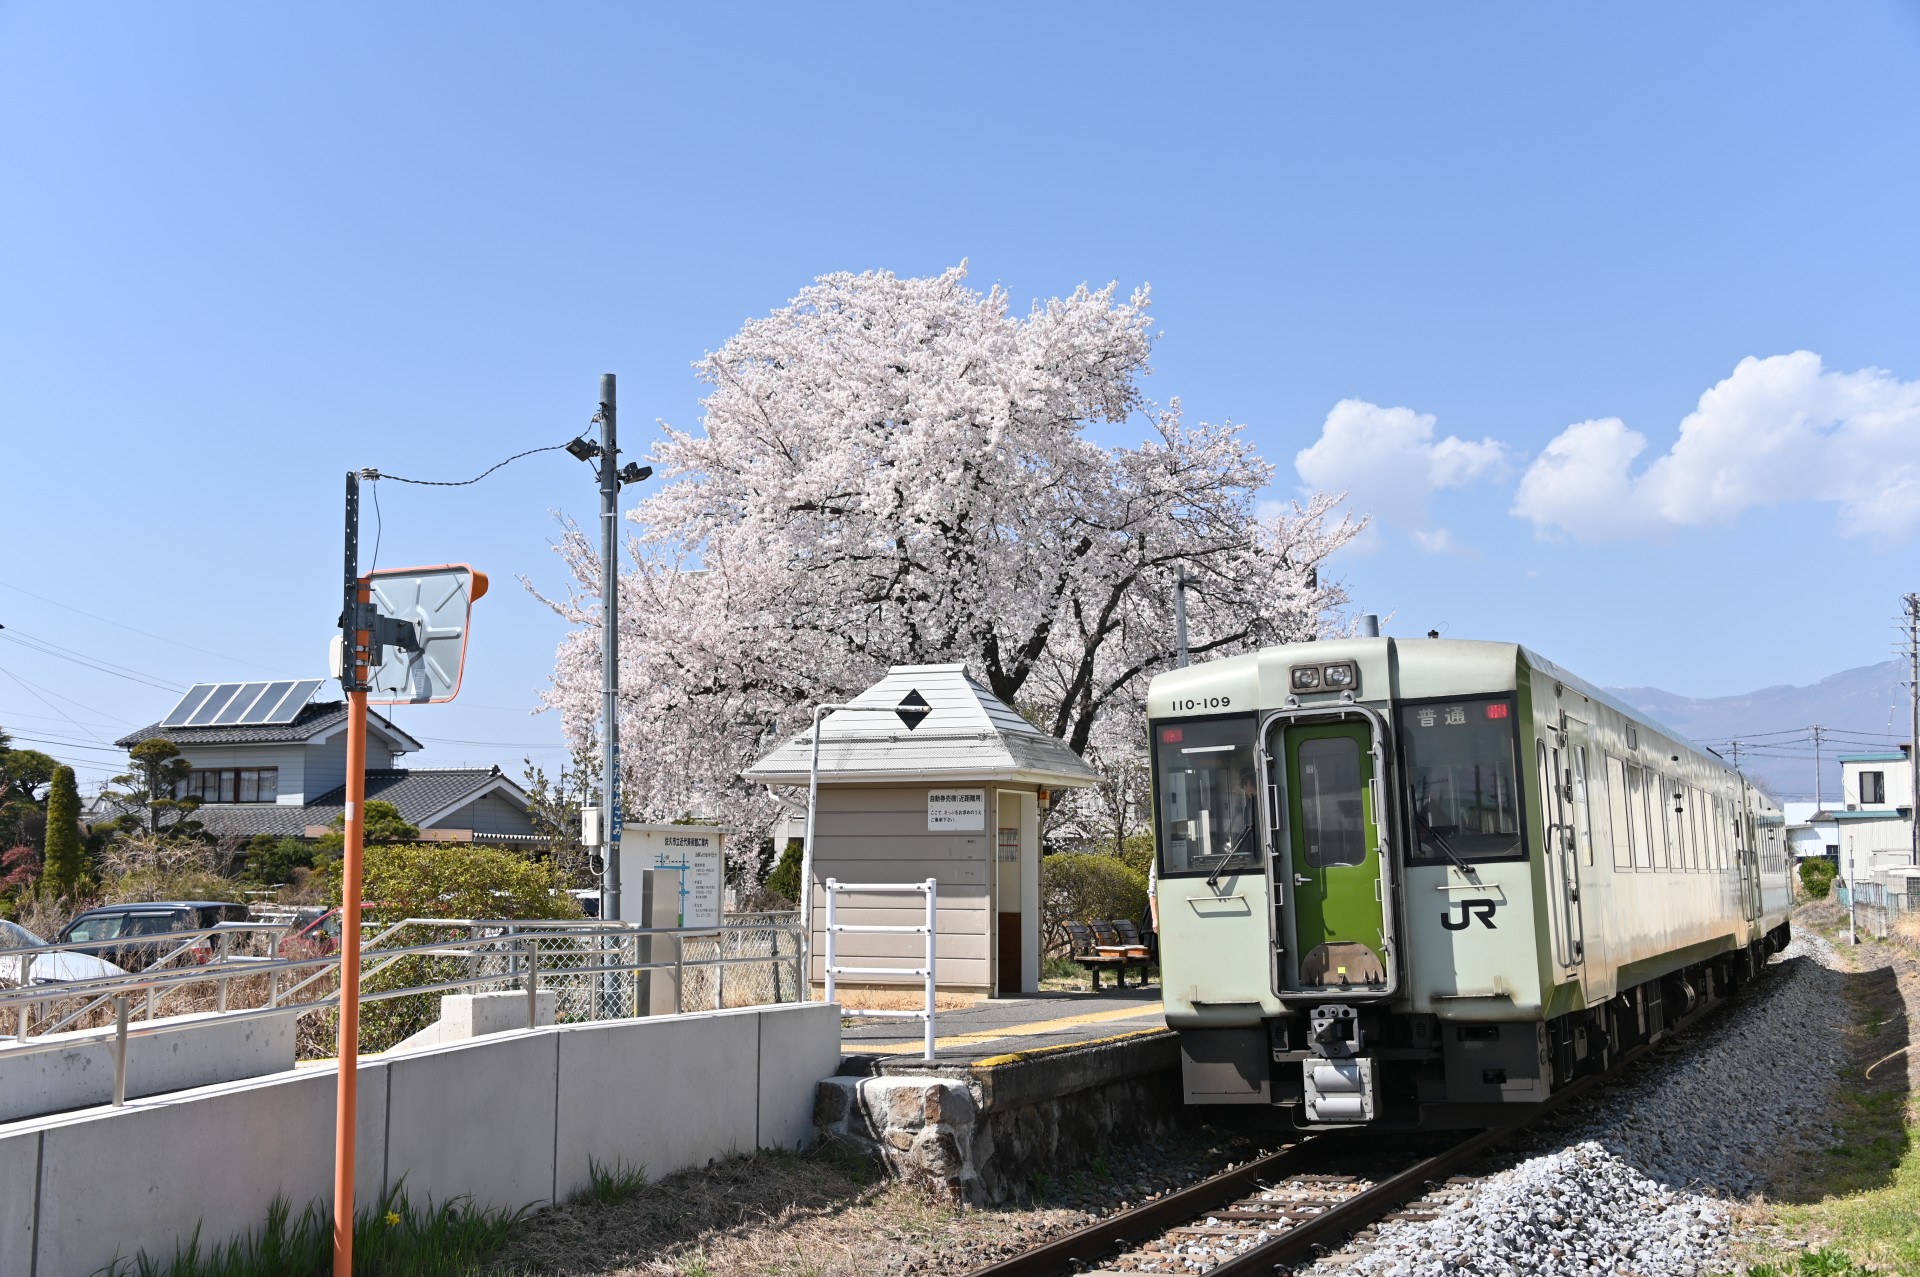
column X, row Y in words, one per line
column 63, row 1071
column 510, row 1119
column 980, row 1133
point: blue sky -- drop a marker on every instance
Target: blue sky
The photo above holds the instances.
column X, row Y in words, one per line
column 247, row 248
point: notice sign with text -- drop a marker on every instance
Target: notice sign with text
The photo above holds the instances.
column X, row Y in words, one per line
column 954, row 810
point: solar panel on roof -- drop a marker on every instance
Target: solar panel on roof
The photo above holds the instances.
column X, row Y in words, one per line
column 242, row 702
column 235, row 704
column 196, row 695
column 211, row 708
column 268, row 702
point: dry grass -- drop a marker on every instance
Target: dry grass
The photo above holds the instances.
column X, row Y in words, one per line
column 879, row 999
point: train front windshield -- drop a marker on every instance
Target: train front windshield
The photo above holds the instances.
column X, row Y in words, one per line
column 1207, row 791
column 1461, row 779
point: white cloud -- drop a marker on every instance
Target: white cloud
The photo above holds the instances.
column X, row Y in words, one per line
column 1778, row 429
column 1389, row 464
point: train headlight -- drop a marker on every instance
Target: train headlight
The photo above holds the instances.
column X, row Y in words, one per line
column 1306, row 678
column 1341, row 676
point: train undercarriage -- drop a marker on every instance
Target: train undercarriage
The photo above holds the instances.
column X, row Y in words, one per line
column 1339, row 1065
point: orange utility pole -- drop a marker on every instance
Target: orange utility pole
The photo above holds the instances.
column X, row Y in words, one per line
column 354, row 679
column 403, row 638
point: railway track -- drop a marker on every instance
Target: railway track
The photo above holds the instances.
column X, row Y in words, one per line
column 1271, row 1214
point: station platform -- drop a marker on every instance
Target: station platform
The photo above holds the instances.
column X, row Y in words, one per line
column 1002, row 1029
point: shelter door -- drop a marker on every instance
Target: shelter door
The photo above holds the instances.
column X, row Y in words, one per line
column 1008, row 917
column 1334, row 841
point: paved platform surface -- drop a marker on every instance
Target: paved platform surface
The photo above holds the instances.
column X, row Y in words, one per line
column 997, row 1027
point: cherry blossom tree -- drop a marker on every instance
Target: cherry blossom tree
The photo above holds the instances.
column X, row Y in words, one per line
column 896, row 471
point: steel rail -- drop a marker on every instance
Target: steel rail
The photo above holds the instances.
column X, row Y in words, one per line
column 1086, row 1247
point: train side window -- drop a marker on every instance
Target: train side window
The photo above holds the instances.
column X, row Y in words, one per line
column 1581, row 812
column 1682, row 836
column 1637, row 818
column 1660, row 794
column 1617, row 806
column 1696, row 816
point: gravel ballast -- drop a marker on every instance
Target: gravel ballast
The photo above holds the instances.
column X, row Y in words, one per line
column 1645, row 1186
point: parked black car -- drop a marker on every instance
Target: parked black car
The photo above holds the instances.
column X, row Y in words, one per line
column 134, row 935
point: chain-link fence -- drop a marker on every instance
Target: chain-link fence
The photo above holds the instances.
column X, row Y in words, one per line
column 593, row 970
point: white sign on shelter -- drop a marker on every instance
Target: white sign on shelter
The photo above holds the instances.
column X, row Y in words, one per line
column 667, row 847
column 952, row 810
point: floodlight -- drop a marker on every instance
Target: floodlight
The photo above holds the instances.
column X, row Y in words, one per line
column 583, row 449
column 634, row 472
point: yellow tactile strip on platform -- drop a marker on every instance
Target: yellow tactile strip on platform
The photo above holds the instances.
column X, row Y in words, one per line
column 1016, row 1031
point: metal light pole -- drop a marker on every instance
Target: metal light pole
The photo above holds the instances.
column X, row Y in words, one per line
column 609, row 650
column 1913, row 736
column 1853, row 897
column 1180, row 583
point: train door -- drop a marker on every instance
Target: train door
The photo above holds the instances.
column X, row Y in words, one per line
column 1563, row 805
column 1333, row 858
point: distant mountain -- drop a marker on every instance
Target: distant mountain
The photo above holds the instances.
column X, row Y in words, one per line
column 1776, row 750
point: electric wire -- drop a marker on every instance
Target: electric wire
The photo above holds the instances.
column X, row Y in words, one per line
column 460, row 483
column 50, row 705
column 133, row 629
column 99, row 665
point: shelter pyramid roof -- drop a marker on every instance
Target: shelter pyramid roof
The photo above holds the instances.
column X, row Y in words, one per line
column 967, row 734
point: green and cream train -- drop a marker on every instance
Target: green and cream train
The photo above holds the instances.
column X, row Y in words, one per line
column 1420, row 882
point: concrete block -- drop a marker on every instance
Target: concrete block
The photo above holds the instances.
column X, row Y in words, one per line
column 19, row 1182
column 464, row 1016
column 64, row 1071
column 474, row 1118
column 116, row 1181
column 666, row 1092
column 799, row 1045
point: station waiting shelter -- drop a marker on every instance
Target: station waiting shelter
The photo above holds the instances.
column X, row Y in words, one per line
column 956, row 796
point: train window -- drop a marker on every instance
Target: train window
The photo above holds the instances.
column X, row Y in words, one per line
column 1462, row 779
column 1581, row 813
column 1332, row 828
column 1676, row 802
column 1666, row 850
column 1617, row 795
column 1697, row 818
column 1637, row 818
column 1205, row 785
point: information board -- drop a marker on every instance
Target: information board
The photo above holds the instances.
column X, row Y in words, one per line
column 955, row 810
column 665, row 847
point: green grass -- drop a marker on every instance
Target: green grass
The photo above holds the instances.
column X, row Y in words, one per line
column 614, row 1184
column 392, row 1238
column 1864, row 1189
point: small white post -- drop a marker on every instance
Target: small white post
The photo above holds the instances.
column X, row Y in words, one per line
column 119, row 1050
column 833, row 885
column 933, row 899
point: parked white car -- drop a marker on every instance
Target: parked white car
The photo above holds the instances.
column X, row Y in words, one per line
column 52, row 967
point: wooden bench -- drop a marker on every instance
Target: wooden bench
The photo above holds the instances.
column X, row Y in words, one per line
column 1102, row 946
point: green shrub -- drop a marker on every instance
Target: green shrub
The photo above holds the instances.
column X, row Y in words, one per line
column 271, row 861
column 784, row 881
column 441, row 880
column 1817, row 877
column 1086, row 887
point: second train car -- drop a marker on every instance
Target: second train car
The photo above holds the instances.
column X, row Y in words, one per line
column 1409, row 882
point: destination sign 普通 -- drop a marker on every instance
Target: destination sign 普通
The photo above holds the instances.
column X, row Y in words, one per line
column 955, row 810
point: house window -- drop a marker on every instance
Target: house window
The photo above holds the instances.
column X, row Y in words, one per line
column 1873, row 787
column 233, row 785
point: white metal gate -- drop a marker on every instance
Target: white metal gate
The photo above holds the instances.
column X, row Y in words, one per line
column 931, row 889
